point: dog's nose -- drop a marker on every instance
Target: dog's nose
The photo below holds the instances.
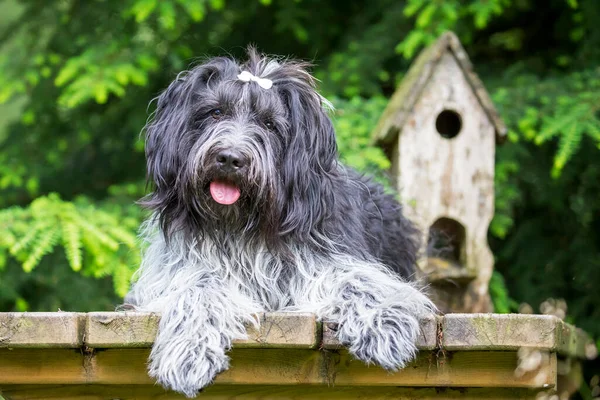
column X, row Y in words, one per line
column 230, row 160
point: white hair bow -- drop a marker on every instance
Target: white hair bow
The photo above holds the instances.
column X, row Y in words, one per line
column 262, row 82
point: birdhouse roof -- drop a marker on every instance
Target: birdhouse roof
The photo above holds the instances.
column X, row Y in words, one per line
column 409, row 91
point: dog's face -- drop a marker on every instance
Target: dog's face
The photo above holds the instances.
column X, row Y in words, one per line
column 241, row 148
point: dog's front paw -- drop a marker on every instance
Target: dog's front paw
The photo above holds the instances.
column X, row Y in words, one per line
column 388, row 339
column 187, row 372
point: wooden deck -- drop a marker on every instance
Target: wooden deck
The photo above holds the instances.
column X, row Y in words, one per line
column 103, row 356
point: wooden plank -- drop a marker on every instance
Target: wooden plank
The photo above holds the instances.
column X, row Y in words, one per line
column 120, row 329
column 445, row 369
column 498, row 331
column 131, row 330
column 251, row 392
column 42, row 366
column 427, row 339
column 283, row 330
column 41, row 330
column 466, row 332
column 250, row 366
column 455, row 332
column 278, row 367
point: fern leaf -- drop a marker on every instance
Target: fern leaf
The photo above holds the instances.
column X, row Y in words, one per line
column 98, row 256
column 45, row 244
column 121, row 279
column 123, row 235
column 97, row 234
column 593, row 129
column 567, row 146
column 71, row 240
column 28, row 239
column 554, row 127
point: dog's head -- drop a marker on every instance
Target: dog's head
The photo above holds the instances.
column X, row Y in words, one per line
column 241, row 148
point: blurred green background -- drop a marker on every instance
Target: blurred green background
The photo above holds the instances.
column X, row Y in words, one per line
column 76, row 78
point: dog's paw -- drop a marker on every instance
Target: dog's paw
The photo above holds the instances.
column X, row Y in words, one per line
column 188, row 373
column 388, row 340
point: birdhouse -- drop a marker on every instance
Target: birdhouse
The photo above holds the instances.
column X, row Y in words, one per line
column 440, row 130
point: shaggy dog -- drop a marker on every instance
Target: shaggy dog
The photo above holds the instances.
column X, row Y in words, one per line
column 253, row 212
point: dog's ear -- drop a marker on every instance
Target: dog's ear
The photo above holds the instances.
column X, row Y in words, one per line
column 162, row 133
column 310, row 162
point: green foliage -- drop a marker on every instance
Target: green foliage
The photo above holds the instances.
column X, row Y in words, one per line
column 107, row 242
column 568, row 110
column 433, row 17
column 354, row 119
column 503, row 303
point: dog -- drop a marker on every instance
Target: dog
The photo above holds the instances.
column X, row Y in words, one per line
column 252, row 211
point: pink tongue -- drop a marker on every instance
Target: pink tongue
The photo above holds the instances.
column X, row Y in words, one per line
column 224, row 193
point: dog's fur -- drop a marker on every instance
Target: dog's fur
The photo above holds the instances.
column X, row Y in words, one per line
column 307, row 234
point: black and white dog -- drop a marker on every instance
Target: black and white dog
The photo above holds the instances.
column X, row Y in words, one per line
column 253, row 212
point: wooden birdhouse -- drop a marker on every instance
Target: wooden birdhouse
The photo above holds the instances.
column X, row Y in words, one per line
column 440, row 130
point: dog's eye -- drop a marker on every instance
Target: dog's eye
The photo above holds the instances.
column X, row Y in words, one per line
column 216, row 113
column 269, row 124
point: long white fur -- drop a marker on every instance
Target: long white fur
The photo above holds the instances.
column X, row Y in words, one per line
column 206, row 299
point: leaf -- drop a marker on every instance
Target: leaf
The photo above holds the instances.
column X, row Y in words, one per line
column 98, row 234
column 412, row 6
column 47, row 240
column 167, row 15
column 71, row 239
column 100, row 93
column 121, row 279
column 425, row 17
column 194, row 8
column 503, row 304
column 593, row 129
column 142, row 9
column 568, row 145
column 29, row 238
column 67, row 72
column 410, row 44
column 554, row 127
column 220, row 4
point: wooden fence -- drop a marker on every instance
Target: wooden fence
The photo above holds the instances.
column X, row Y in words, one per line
column 103, row 356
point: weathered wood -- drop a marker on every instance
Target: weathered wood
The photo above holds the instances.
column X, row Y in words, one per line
column 441, row 129
column 512, row 332
column 255, row 392
column 41, row 330
column 404, row 99
column 445, row 369
column 501, row 332
column 43, row 366
column 127, row 329
column 453, row 332
column 290, row 356
column 278, row 367
column 120, row 329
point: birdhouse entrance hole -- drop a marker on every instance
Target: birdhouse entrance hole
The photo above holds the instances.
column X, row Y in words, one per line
column 448, row 123
column 446, row 240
